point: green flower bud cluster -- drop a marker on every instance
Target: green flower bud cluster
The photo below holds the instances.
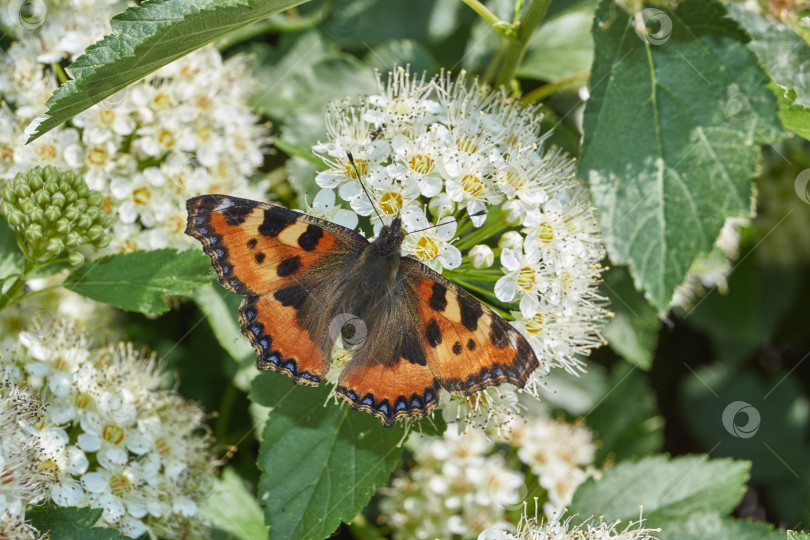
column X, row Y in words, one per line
column 54, row 213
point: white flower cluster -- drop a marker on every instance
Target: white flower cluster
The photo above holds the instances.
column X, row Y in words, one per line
column 463, row 483
column 24, row 476
column 181, row 131
column 113, row 436
column 447, row 148
column 457, row 487
column 534, row 528
column 560, row 455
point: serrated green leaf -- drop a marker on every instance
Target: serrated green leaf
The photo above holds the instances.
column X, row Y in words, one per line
column 705, row 525
column 784, row 55
column 139, row 281
column 144, row 39
column 70, row 523
column 671, row 133
column 320, row 463
column 797, row 535
column 633, row 331
column 232, row 508
column 668, row 489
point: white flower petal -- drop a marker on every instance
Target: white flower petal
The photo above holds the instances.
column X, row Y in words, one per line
column 506, row 289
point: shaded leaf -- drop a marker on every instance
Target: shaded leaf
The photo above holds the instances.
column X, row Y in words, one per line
column 70, row 523
column 145, row 38
column 139, row 281
column 638, row 430
column 561, row 47
column 671, row 134
column 401, row 53
column 232, row 508
column 633, row 331
column 320, row 463
column 705, row 525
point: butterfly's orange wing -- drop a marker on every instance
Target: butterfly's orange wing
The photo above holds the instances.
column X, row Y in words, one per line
column 263, row 252
column 468, row 346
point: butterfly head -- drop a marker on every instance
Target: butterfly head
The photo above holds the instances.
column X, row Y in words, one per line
column 390, row 239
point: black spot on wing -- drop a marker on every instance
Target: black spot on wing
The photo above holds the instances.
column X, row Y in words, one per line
column 294, row 296
column 438, row 300
column 259, row 258
column 236, row 215
column 498, row 333
column 411, row 350
column 471, row 344
column 471, row 310
column 457, row 348
column 252, row 243
column 433, row 334
column 309, row 239
column 276, row 220
column 288, row 266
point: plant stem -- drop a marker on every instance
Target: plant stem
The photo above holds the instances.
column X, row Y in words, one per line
column 503, row 28
column 514, row 54
column 12, row 296
column 542, row 92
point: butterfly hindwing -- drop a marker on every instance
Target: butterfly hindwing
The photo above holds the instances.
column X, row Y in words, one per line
column 468, row 346
column 264, row 252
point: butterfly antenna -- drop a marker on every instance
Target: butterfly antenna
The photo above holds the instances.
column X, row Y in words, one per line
column 479, row 213
column 362, row 185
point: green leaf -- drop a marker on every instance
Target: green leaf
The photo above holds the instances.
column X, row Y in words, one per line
column 667, row 489
column 11, row 258
column 221, row 307
column 638, row 430
column 561, row 48
column 795, row 118
column 145, row 38
column 671, row 133
column 797, row 535
column 784, row 55
column 70, row 523
column 633, row 331
column 232, row 508
column 705, row 525
column 139, row 281
column 320, row 462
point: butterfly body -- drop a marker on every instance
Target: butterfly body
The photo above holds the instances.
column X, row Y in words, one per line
column 308, row 282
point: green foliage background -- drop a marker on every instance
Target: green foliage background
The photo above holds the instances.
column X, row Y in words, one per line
column 684, row 126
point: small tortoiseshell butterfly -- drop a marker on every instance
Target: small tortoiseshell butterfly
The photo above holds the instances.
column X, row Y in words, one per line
column 304, row 279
